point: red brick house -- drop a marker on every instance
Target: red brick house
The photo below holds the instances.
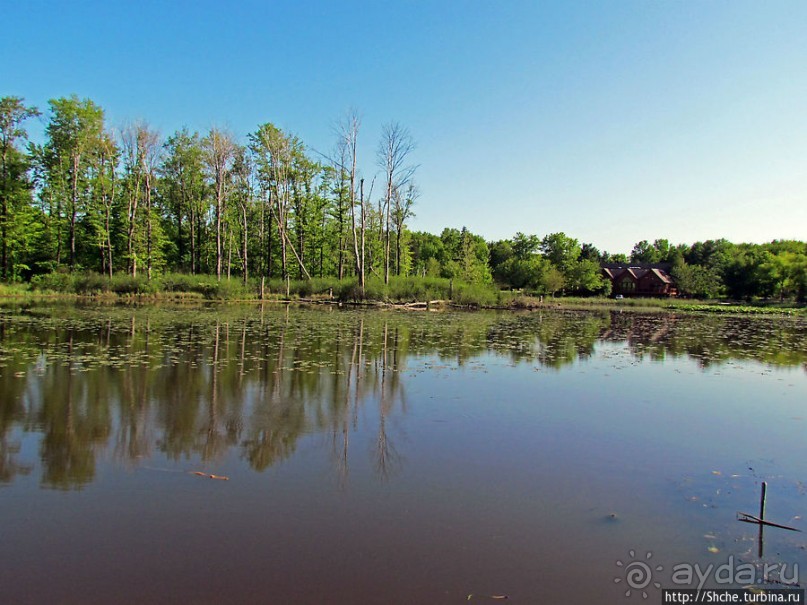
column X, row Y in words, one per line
column 640, row 280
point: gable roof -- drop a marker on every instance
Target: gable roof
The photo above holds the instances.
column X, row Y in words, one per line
column 662, row 275
column 653, row 270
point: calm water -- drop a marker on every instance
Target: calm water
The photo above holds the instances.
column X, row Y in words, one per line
column 389, row 457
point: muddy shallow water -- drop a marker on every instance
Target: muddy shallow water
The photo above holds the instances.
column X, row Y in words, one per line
column 240, row 454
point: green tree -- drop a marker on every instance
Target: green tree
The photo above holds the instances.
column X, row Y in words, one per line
column 105, row 160
column 748, row 272
column 711, row 253
column 584, row 276
column 428, row 253
column 15, row 187
column 468, row 256
column 501, row 252
column 590, row 252
column 73, row 133
column 618, row 258
column 560, row 250
column 644, row 252
column 141, row 150
column 280, row 160
column 219, row 151
column 186, row 198
column 525, row 246
column 552, row 280
column 696, row 280
column 402, row 202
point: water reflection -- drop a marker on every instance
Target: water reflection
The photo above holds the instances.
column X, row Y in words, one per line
column 199, row 383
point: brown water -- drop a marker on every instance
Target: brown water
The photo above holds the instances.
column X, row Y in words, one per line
column 389, row 457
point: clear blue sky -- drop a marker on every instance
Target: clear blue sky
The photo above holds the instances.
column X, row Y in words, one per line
column 612, row 121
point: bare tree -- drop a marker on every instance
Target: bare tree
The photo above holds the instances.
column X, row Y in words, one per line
column 131, row 161
column 219, row 148
column 341, row 185
column 347, row 131
column 243, row 172
column 141, row 150
column 278, row 157
column 152, row 151
column 395, row 146
column 106, row 160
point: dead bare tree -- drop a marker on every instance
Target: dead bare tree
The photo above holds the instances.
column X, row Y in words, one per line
column 243, row 171
column 219, row 148
column 395, row 146
column 152, row 150
column 141, row 152
column 347, row 131
column 106, row 160
column 141, row 148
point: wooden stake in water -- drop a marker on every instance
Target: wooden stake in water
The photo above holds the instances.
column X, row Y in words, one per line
column 762, row 500
column 761, row 541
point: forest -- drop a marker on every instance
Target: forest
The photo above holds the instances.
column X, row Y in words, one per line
column 94, row 209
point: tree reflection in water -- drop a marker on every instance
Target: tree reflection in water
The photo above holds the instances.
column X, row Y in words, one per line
column 198, row 383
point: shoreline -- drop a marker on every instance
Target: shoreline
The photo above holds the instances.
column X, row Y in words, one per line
column 525, row 304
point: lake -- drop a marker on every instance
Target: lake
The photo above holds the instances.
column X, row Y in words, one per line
column 248, row 454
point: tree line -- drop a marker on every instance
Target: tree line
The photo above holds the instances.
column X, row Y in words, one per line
column 90, row 198
column 708, row 269
column 133, row 201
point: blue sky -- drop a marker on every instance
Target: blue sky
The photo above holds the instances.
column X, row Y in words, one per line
column 613, row 121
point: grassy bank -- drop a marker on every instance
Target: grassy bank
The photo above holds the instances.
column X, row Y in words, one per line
column 400, row 290
column 688, row 305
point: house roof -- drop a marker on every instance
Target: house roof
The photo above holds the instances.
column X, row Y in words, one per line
column 637, row 272
column 662, row 275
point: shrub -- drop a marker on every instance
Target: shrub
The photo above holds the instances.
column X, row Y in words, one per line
column 90, row 283
column 126, row 284
column 52, row 282
column 474, row 295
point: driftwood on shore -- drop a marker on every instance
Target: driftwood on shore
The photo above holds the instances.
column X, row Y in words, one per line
column 424, row 304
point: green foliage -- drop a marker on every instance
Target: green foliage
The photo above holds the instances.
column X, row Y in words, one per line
column 517, row 300
column 466, row 256
column 52, row 282
column 590, row 252
column 585, row 277
column 18, row 220
column 560, row 250
column 697, row 281
column 500, row 253
column 100, row 205
column 475, row 295
column 418, row 289
column 126, row 284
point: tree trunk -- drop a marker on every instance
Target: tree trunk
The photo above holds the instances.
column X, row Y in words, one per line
column 133, row 204
column 74, row 210
column 398, row 252
column 148, row 226
column 229, row 252
column 386, row 222
column 218, row 235
column 244, row 245
column 4, row 218
column 363, row 232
